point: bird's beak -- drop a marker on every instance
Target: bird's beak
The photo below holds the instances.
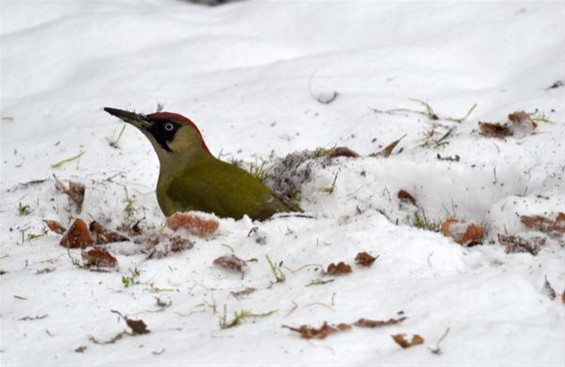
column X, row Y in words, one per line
column 136, row 119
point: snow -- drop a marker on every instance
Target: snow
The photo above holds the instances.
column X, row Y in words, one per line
column 249, row 73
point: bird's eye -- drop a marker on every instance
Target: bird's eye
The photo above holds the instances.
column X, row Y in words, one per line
column 169, row 126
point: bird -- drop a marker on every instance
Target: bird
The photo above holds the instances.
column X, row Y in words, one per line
column 191, row 178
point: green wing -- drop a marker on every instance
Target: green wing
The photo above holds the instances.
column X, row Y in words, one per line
column 225, row 190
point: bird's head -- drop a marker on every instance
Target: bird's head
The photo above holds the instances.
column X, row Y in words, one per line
column 172, row 135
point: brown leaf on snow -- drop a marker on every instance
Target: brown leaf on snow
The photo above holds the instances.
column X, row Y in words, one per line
column 520, row 123
column 401, row 340
column 521, row 118
column 518, row 244
column 161, row 245
column 544, row 224
column 105, row 236
column 563, row 297
column 494, row 130
column 308, row 332
column 55, row 226
column 387, row 151
column 464, row 233
column 194, row 224
column 77, row 236
column 406, row 197
column 99, row 258
column 376, row 323
column 364, row 259
column 75, row 191
column 231, row 262
column 339, row 269
column 137, row 327
column 80, row 349
column 343, row 152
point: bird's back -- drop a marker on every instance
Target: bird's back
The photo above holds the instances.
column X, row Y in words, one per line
column 220, row 188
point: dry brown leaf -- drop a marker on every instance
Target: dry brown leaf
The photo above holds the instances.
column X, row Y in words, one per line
column 367, row 323
column 194, row 224
column 99, row 258
column 563, row 297
column 77, row 236
column 55, row 226
column 544, row 224
column 406, row 197
column 518, row 244
column 364, row 259
column 523, row 119
column 343, row 152
column 105, row 236
column 387, row 151
column 308, row 332
column 339, row 269
column 464, row 233
column 137, row 327
column 75, row 191
column 401, row 340
column 231, row 262
column 495, row 130
column 80, row 349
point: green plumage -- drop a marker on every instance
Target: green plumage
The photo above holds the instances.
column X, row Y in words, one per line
column 218, row 187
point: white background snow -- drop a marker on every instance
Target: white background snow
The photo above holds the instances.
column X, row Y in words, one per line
column 249, row 74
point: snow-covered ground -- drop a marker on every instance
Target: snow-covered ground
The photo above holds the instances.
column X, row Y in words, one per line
column 251, row 75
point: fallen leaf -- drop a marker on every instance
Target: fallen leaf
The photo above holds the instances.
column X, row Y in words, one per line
column 77, row 236
column 194, row 224
column 162, row 245
column 494, row 130
column 55, row 226
column 563, row 297
column 387, row 151
column 80, row 349
column 137, row 327
column 343, row 152
column 105, row 236
column 544, row 224
column 99, row 258
column 339, row 269
column 231, row 262
column 364, row 259
column 308, row 332
column 75, row 191
column 462, row 232
column 376, row 323
column 521, row 119
column 406, row 197
column 401, row 340
column 518, row 244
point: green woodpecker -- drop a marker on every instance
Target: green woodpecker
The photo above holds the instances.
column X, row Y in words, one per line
column 191, row 178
